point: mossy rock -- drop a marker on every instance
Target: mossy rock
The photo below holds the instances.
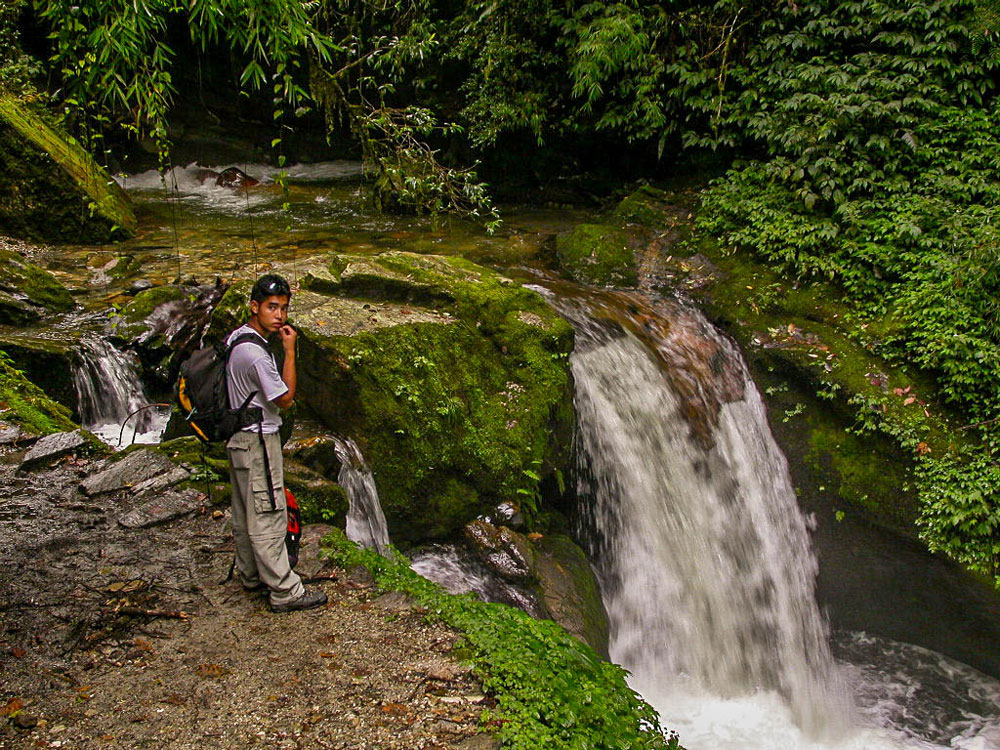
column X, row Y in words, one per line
column 27, row 292
column 230, row 313
column 451, row 403
column 647, row 206
column 599, row 254
column 569, row 592
column 52, row 189
column 130, row 321
column 320, row 500
column 46, row 361
column 25, row 404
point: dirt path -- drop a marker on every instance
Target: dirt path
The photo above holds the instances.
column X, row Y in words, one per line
column 80, row 669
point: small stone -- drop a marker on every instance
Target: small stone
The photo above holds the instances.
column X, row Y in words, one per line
column 359, row 575
column 24, row 720
column 395, row 601
column 479, row 742
column 140, row 285
column 9, row 433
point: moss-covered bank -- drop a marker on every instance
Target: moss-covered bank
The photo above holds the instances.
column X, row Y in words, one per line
column 26, row 405
column 452, row 378
column 52, row 190
column 551, row 690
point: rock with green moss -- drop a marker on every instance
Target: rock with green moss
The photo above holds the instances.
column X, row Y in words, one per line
column 320, row 500
column 131, row 321
column 26, row 405
column 52, row 190
column 569, row 591
column 599, row 254
column 28, row 292
column 47, row 358
column 647, row 206
column 451, row 377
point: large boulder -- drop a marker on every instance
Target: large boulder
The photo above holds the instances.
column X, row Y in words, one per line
column 52, row 190
column 163, row 325
column 554, row 569
column 452, row 378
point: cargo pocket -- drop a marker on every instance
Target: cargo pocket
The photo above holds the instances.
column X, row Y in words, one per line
column 258, row 487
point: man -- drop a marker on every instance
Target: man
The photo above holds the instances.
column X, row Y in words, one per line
column 258, row 506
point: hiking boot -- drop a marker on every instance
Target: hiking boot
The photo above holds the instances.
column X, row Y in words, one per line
column 308, row 600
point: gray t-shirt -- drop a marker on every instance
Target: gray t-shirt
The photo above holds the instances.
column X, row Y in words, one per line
column 252, row 368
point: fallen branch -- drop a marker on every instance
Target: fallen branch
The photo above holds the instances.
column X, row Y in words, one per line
column 140, row 612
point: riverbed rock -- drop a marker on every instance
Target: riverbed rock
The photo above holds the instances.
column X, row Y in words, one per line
column 162, row 508
column 134, row 470
column 569, row 592
column 52, row 189
column 27, row 291
column 51, row 447
column 505, row 552
column 600, row 254
column 452, row 378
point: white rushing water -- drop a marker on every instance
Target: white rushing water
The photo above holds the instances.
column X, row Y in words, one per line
column 197, row 183
column 458, row 572
column 111, row 396
column 366, row 522
column 708, row 577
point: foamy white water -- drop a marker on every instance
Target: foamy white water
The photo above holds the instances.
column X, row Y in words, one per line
column 195, row 183
column 708, row 578
column 111, row 396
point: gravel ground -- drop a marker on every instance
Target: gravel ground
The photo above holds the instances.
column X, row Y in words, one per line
column 94, row 652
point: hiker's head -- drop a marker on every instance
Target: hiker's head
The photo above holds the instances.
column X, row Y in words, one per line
column 269, row 301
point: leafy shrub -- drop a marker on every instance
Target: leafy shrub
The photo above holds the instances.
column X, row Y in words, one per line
column 551, row 690
column 884, row 176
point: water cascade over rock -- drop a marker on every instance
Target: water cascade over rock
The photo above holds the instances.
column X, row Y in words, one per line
column 111, row 395
column 708, row 575
column 366, row 522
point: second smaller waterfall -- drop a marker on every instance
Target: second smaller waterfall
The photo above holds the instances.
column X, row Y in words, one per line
column 366, row 523
column 109, row 390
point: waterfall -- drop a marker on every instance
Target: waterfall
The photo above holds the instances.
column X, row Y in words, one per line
column 706, row 567
column 366, row 523
column 108, row 390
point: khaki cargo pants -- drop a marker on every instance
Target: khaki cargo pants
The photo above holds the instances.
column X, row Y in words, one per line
column 261, row 556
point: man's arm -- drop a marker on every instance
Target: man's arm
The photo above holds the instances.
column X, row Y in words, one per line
column 288, row 375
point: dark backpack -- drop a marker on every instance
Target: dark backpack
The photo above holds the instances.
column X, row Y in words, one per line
column 204, row 398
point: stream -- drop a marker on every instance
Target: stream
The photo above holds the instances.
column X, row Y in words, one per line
column 705, row 559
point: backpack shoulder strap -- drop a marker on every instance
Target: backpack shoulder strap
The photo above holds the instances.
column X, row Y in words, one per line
column 242, row 339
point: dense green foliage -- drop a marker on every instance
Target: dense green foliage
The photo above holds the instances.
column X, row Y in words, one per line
column 551, row 690
column 867, row 133
column 883, row 175
column 115, row 65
